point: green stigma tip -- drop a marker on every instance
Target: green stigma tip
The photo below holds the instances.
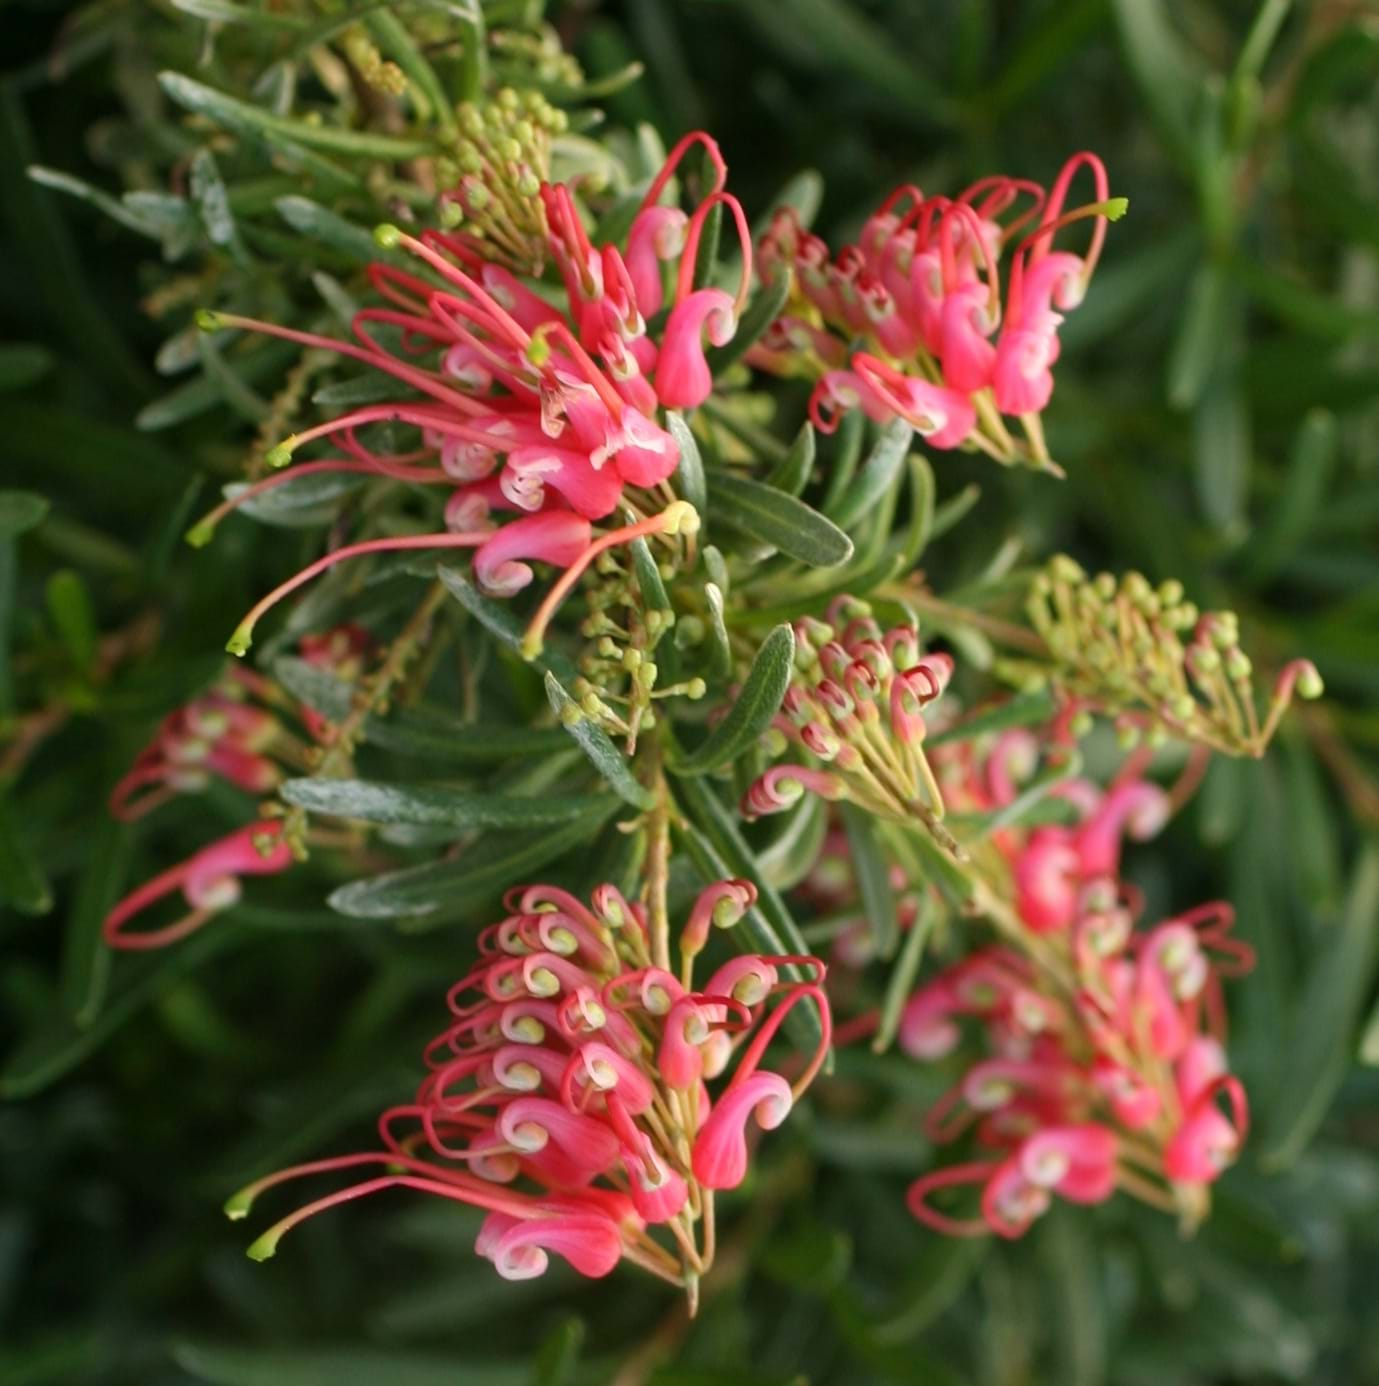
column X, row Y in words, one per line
column 278, row 457
column 199, row 535
column 387, row 235
column 237, row 1206
column 263, row 1248
column 238, row 644
column 209, row 321
column 1116, row 207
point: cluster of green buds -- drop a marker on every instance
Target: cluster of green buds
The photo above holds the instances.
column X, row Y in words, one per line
column 629, row 613
column 1148, row 657
column 374, row 69
column 535, row 57
column 856, row 707
column 493, row 171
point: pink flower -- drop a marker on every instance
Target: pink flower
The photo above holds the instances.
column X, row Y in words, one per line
column 720, row 1149
column 532, row 408
column 209, row 881
column 923, row 289
column 568, row 1096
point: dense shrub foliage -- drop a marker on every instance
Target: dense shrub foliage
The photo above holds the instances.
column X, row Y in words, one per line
column 745, row 578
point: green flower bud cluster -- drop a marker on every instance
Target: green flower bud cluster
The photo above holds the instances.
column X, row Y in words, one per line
column 492, row 173
column 619, row 674
column 1147, row 656
column 374, row 70
column 531, row 59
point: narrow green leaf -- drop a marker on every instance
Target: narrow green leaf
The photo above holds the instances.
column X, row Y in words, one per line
column 721, row 651
column 212, row 200
column 901, row 980
column 558, row 1354
column 439, row 740
column 310, row 219
column 794, row 852
column 764, row 308
column 649, row 581
column 878, row 475
column 1306, row 485
column 689, row 472
column 951, row 513
column 1326, row 1012
column 751, row 714
column 360, row 389
column 85, row 958
column 780, row 520
column 21, row 511
column 791, row 474
column 468, row 881
column 245, row 119
column 196, row 396
column 58, row 181
column 1200, row 335
column 250, row 406
column 498, row 619
column 61, row 1044
column 298, row 502
column 873, row 873
column 22, row 881
column 1169, row 77
column 1222, row 455
column 73, row 616
column 377, row 802
column 596, row 744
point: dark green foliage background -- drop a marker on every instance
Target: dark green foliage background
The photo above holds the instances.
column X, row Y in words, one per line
column 1238, row 299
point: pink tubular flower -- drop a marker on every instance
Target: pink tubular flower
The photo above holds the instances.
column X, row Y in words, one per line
column 220, row 734
column 568, row 1096
column 531, row 408
column 1104, row 1067
column 923, row 289
column 858, row 703
column 557, row 538
column 209, row 881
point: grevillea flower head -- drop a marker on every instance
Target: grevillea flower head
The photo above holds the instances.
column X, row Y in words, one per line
column 570, row 1095
column 1105, row 1067
column 1150, row 658
column 238, row 732
column 229, row 732
column 856, row 708
column 546, row 414
column 918, row 320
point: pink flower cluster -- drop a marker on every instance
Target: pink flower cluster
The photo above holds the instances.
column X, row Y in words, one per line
column 1105, row 1068
column 948, row 347
column 545, row 413
column 569, row 1096
column 232, row 732
column 856, row 705
column 221, row 734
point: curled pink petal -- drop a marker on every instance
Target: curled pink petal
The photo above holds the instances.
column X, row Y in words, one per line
column 720, row 1149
